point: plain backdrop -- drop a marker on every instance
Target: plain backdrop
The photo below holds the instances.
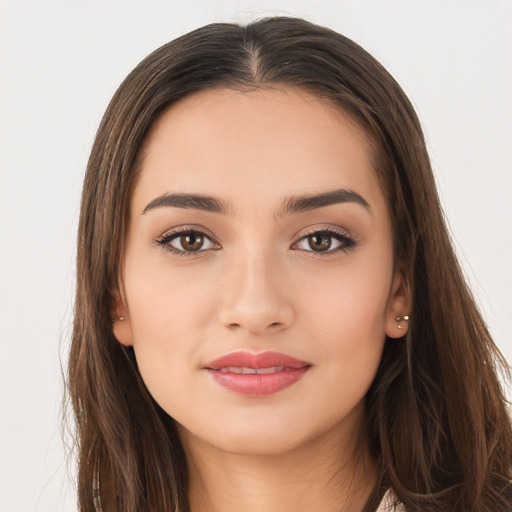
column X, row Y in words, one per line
column 60, row 63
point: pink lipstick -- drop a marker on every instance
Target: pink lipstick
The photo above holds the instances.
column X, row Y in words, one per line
column 256, row 375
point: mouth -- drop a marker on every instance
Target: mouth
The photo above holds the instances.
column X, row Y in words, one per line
column 256, row 375
column 243, row 370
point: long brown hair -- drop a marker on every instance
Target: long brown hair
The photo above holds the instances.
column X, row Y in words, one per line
column 437, row 421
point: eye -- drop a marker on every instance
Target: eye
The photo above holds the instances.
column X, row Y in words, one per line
column 185, row 242
column 326, row 241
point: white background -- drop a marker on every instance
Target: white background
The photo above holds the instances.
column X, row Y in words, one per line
column 60, row 63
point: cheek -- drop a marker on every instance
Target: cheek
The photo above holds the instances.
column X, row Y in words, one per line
column 168, row 311
column 349, row 301
column 165, row 301
column 346, row 316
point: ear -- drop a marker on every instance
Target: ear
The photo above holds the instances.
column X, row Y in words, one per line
column 121, row 324
column 399, row 305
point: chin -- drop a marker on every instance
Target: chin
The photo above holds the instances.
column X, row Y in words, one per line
column 264, row 435
column 258, row 442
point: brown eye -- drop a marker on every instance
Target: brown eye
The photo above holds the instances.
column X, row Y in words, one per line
column 192, row 241
column 186, row 242
column 319, row 243
column 326, row 241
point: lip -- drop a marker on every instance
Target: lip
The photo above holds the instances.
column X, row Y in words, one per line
column 278, row 371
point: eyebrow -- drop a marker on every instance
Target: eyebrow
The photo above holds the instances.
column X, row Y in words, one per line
column 305, row 203
column 291, row 205
column 194, row 201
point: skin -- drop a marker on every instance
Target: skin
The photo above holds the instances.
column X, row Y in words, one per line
column 257, row 286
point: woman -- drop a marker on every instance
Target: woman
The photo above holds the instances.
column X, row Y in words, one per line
column 269, row 312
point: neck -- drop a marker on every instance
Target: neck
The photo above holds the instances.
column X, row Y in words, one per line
column 326, row 474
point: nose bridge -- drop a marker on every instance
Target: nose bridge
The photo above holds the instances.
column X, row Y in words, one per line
column 253, row 295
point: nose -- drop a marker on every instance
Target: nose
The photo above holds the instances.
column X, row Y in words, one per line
column 255, row 296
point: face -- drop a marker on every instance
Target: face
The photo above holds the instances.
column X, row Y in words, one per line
column 258, row 280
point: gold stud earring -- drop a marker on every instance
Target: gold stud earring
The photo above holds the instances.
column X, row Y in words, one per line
column 404, row 318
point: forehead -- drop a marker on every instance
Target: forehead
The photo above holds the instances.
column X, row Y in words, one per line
column 262, row 144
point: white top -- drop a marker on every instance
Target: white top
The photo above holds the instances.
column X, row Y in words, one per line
column 387, row 503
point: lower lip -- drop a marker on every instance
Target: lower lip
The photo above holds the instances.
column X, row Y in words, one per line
column 258, row 385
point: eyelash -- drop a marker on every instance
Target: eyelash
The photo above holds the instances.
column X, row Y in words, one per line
column 165, row 240
column 347, row 242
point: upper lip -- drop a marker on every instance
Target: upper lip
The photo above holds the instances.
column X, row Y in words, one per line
column 244, row 359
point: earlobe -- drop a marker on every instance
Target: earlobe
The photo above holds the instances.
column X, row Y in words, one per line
column 121, row 324
column 399, row 307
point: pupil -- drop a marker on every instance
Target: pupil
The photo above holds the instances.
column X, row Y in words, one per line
column 320, row 242
column 192, row 242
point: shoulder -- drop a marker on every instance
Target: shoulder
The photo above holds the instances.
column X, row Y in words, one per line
column 389, row 503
